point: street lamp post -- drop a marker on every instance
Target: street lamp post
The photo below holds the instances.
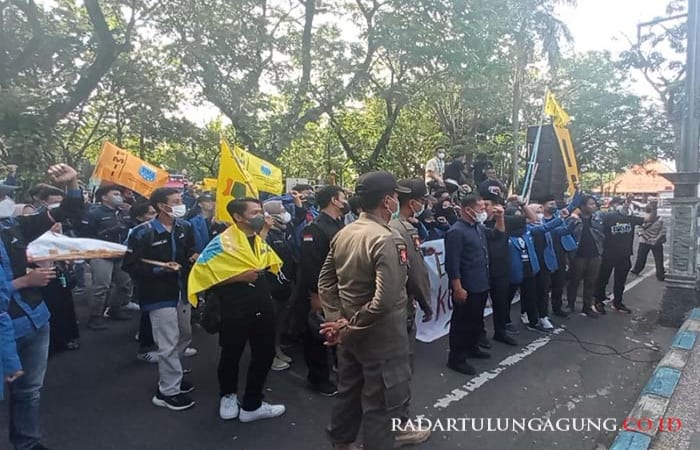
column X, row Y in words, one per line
column 682, row 279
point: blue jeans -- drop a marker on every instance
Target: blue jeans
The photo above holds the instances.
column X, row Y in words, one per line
column 25, row 392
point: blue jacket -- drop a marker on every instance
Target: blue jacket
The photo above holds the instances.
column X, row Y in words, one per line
column 516, row 266
column 9, row 361
column 26, row 307
column 560, row 232
column 200, row 229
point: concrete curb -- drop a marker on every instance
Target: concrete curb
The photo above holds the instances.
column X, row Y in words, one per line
column 658, row 391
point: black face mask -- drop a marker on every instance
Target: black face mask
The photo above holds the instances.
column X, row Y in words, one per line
column 345, row 209
column 310, row 200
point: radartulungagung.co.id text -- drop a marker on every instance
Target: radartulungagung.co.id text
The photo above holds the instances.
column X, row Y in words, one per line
column 521, row 425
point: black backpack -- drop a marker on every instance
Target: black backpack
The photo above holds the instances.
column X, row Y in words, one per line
column 211, row 312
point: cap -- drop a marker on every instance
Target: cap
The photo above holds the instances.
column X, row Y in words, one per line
column 492, row 197
column 205, row 198
column 417, row 187
column 547, row 198
column 379, row 183
column 7, row 188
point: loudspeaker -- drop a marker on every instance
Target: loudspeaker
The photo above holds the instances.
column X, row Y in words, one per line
column 550, row 178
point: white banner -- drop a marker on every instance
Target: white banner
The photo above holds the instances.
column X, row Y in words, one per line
column 440, row 299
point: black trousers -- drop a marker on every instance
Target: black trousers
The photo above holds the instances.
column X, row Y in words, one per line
column 557, row 284
column 64, row 325
column 500, row 300
column 542, row 284
column 146, row 340
column 252, row 323
column 466, row 326
column 315, row 356
column 528, row 299
column 642, row 253
column 621, row 265
column 586, row 270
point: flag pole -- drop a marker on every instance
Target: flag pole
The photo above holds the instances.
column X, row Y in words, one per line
column 529, row 176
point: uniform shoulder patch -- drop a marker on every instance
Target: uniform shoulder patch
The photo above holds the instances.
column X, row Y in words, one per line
column 416, row 241
column 308, row 238
column 403, row 253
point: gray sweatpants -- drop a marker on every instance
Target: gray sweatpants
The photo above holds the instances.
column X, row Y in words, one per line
column 111, row 286
column 172, row 332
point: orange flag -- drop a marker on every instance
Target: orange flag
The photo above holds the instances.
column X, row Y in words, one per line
column 118, row 166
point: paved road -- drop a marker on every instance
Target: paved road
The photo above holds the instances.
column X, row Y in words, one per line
column 99, row 397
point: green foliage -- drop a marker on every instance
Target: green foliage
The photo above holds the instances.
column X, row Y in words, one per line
column 319, row 86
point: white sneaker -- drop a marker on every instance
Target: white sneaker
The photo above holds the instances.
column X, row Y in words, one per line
column 189, row 352
column 149, row 357
column 524, row 319
column 266, row 411
column 228, row 407
column 281, row 355
column 131, row 306
column 278, row 364
column 546, row 323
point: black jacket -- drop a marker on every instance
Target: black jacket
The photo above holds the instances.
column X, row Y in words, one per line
column 104, row 223
column 155, row 287
column 16, row 233
column 315, row 246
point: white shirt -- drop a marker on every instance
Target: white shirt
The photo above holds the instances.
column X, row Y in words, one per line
column 436, row 166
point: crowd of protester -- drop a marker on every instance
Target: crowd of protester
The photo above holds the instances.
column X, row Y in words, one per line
column 350, row 281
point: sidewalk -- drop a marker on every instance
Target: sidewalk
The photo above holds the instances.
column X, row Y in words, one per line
column 669, row 404
column 685, row 402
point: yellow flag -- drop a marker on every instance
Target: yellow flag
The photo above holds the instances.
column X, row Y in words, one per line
column 267, row 177
column 227, row 255
column 209, row 184
column 118, row 166
column 233, row 181
column 559, row 116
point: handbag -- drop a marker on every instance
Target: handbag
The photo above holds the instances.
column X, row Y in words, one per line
column 211, row 313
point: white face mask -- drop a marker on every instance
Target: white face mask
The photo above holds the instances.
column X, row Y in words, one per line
column 178, row 211
column 441, row 155
column 53, row 206
column 540, row 217
column 7, row 208
column 482, row 217
column 283, row 218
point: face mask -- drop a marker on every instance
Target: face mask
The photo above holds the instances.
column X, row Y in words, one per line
column 480, row 217
column 310, row 200
column 53, row 206
column 420, row 212
column 7, row 208
column 257, row 223
column 116, row 200
column 441, row 155
column 345, row 209
column 552, row 210
column 283, row 218
column 394, row 214
column 177, row 211
column 540, row 217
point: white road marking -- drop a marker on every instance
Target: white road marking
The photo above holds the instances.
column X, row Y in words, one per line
column 481, row 379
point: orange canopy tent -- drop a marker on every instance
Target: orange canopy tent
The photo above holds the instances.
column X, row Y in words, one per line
column 641, row 179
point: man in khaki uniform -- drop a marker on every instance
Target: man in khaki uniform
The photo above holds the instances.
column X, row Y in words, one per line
column 412, row 205
column 363, row 289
